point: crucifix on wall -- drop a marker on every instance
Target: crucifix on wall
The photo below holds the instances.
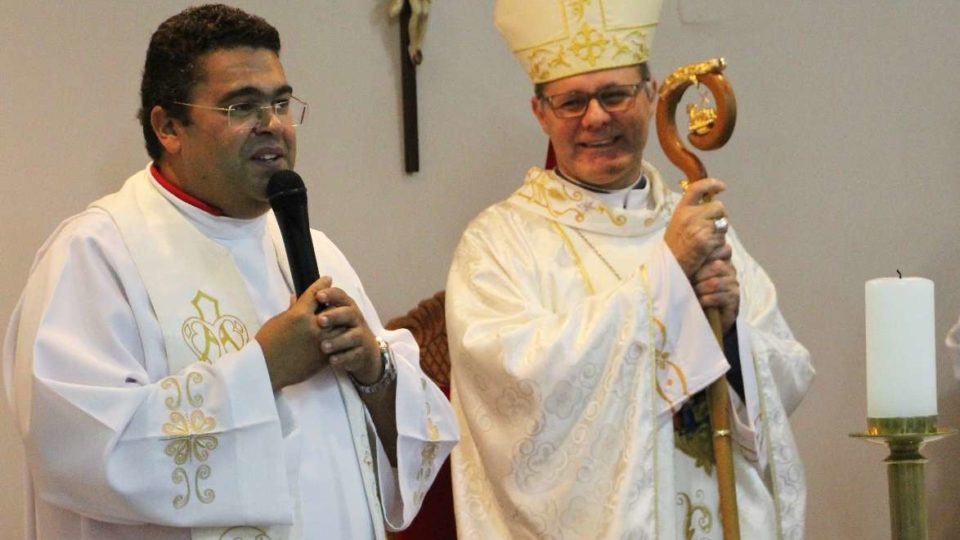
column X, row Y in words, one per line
column 413, row 25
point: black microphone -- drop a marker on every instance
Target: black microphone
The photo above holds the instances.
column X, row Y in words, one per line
column 288, row 198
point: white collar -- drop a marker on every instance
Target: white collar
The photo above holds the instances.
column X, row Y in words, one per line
column 631, row 197
column 219, row 227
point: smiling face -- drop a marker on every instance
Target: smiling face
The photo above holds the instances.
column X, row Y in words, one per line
column 599, row 148
column 223, row 165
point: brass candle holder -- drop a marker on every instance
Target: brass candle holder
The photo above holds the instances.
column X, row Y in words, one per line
column 905, row 469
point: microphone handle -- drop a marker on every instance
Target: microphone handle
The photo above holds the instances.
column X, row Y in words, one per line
column 300, row 255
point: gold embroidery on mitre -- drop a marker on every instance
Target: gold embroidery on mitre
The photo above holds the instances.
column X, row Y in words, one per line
column 189, row 440
column 634, row 43
column 668, row 372
column 545, row 58
column 577, row 7
column 210, row 335
column 589, row 44
column 600, row 34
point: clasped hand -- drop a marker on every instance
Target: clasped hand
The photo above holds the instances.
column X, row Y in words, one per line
column 702, row 250
column 298, row 342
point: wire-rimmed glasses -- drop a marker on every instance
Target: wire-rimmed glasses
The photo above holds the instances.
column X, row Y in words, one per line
column 291, row 111
column 611, row 98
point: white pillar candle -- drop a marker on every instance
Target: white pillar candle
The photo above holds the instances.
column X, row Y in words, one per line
column 901, row 348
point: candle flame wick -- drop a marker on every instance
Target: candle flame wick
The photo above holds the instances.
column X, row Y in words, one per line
column 899, row 274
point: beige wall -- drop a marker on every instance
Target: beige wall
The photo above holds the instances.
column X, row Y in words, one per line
column 841, row 170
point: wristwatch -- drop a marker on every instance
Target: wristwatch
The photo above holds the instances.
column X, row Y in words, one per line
column 388, row 375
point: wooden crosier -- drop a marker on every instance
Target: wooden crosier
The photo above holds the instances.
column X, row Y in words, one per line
column 709, row 129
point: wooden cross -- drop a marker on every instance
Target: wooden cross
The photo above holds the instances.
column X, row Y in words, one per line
column 408, row 76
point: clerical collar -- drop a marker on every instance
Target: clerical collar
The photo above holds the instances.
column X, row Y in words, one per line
column 175, row 190
column 639, row 184
column 622, row 197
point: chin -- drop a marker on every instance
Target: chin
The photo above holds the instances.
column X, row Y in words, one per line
column 610, row 177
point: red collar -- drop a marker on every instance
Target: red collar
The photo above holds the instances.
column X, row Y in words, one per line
column 183, row 195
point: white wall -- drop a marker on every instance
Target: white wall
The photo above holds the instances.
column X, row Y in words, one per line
column 841, row 169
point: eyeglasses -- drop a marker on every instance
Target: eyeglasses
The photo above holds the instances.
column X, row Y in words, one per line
column 291, row 112
column 611, row 98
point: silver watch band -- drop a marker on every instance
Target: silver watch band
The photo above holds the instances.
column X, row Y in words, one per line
column 388, row 375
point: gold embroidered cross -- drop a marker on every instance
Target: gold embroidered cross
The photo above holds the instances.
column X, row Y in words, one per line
column 589, row 44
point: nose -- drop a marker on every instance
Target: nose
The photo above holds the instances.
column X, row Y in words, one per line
column 595, row 115
column 269, row 119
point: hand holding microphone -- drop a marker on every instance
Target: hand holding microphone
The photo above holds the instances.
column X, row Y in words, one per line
column 297, row 342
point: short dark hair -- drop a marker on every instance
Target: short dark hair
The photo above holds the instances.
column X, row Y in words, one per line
column 172, row 67
column 644, row 76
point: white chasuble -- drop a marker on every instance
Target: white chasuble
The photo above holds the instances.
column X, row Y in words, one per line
column 574, row 338
column 200, row 300
column 144, row 400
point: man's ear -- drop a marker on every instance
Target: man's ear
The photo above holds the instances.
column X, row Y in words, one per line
column 539, row 112
column 166, row 129
column 653, row 91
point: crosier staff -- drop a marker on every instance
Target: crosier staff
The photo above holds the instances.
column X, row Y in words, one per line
column 709, row 129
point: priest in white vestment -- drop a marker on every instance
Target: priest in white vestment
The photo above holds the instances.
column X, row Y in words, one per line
column 575, row 313
column 165, row 382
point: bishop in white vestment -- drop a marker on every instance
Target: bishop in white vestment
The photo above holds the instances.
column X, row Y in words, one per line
column 575, row 313
column 574, row 337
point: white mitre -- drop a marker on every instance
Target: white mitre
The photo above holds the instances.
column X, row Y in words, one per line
column 553, row 39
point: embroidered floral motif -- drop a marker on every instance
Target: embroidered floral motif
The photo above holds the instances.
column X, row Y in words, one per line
column 633, row 44
column 668, row 372
column 538, row 464
column 244, row 533
column 785, row 469
column 210, row 334
column 577, row 7
column 543, row 59
column 432, row 431
column 559, row 199
column 190, row 439
column 564, row 400
column 172, row 402
column 427, row 458
column 516, row 401
column 547, row 196
column 190, row 436
column 697, row 517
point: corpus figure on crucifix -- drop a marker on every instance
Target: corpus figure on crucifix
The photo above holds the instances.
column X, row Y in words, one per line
column 417, row 25
column 413, row 26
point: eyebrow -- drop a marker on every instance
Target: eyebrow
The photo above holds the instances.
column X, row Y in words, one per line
column 253, row 91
